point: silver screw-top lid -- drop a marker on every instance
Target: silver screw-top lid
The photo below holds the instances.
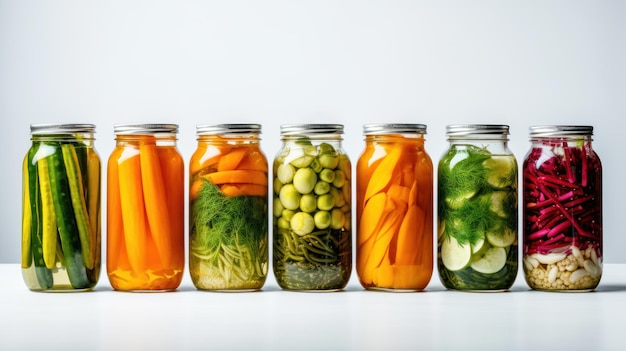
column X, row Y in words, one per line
column 547, row 131
column 210, row 129
column 386, row 128
column 477, row 131
column 145, row 128
column 68, row 128
column 298, row 129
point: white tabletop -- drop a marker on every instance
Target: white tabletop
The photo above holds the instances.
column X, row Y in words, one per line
column 354, row 319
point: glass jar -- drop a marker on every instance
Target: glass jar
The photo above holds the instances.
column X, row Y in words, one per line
column 228, row 242
column 145, row 209
column 312, row 244
column 562, row 209
column 394, row 208
column 477, row 209
column 61, row 209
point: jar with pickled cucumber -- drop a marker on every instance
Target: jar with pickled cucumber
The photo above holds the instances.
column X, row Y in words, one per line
column 477, row 246
column 312, row 225
column 394, row 182
column 562, row 209
column 145, row 209
column 228, row 204
column 61, row 209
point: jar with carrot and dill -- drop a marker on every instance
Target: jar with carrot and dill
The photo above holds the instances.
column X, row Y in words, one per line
column 394, row 209
column 477, row 247
column 562, row 209
column 228, row 201
column 61, row 209
column 312, row 226
column 145, row 209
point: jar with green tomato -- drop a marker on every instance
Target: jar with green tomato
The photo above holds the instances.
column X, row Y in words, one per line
column 312, row 230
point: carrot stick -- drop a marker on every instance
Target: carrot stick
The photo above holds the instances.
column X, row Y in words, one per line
column 133, row 210
column 115, row 227
column 383, row 238
column 231, row 160
column 174, row 177
column 244, row 189
column 253, row 161
column 154, row 193
column 399, row 192
column 370, row 219
column 409, row 236
column 237, row 176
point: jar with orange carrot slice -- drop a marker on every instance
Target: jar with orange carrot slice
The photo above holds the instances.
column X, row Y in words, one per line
column 394, row 209
column 228, row 202
column 145, row 209
column 477, row 248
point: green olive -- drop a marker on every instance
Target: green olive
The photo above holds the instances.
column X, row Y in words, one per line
column 328, row 161
column 308, row 203
column 322, row 219
column 321, row 188
column 327, row 175
column 339, row 179
column 287, row 214
column 326, row 202
column 283, row 223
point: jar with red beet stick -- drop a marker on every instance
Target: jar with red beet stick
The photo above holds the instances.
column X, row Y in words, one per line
column 562, row 210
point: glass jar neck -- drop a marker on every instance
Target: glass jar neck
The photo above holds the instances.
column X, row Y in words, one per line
column 165, row 139
column 85, row 138
column 417, row 139
column 229, row 139
column 570, row 141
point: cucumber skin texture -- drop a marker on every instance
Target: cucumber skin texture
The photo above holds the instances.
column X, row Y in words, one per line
column 68, row 231
column 44, row 275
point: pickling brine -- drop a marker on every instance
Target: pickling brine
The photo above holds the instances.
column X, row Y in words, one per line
column 145, row 209
column 394, row 209
column 477, row 208
column 61, row 209
column 312, row 243
column 228, row 197
column 562, row 204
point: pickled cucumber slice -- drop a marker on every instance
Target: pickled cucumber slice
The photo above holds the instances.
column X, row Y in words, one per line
column 454, row 255
column 302, row 161
column 479, row 246
column 500, row 171
column 491, row 262
column 504, row 238
column 458, row 201
column 497, row 203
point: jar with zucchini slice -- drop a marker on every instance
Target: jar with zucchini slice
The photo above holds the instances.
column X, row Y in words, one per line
column 145, row 209
column 562, row 204
column 477, row 246
column 228, row 241
column 61, row 209
column 312, row 238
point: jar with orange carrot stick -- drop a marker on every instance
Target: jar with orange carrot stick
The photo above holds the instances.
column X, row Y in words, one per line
column 145, row 209
column 228, row 242
column 477, row 247
column 312, row 243
column 394, row 209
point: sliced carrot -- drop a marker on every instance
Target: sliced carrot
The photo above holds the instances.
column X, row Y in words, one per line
column 205, row 157
column 380, row 247
column 244, row 189
column 172, row 166
column 254, row 161
column 399, row 192
column 232, row 159
column 410, row 236
column 383, row 174
column 370, row 219
column 384, row 275
column 237, row 176
column 115, row 227
column 196, row 187
column 133, row 209
column 154, row 193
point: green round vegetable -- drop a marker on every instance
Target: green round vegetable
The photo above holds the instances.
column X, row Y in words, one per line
column 287, row 214
column 326, row 202
column 304, row 180
column 285, row 173
column 302, row 223
column 327, row 175
column 337, row 219
column 278, row 207
column 308, row 203
column 340, row 179
column 322, row 219
column 328, row 161
column 321, row 188
column 290, row 197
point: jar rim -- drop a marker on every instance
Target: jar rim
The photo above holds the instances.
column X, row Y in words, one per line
column 560, row 130
column 320, row 128
column 149, row 128
column 61, row 128
column 233, row 128
column 385, row 128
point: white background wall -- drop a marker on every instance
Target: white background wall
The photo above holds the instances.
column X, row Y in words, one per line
column 352, row 62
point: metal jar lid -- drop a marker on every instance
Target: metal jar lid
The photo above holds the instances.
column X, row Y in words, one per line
column 551, row 131
column 303, row 129
column 477, row 131
column 387, row 128
column 145, row 128
column 68, row 128
column 214, row 129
